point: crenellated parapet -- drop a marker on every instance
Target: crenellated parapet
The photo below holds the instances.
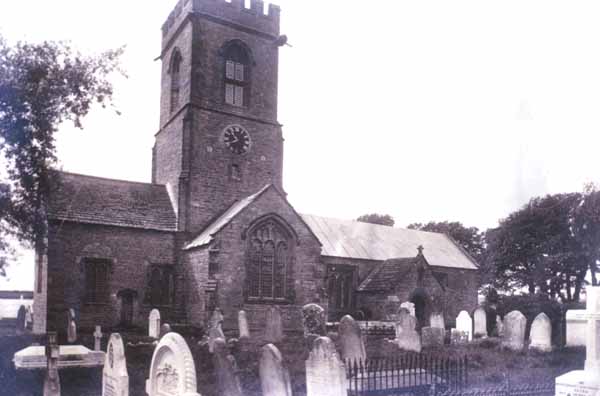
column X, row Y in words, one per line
column 256, row 17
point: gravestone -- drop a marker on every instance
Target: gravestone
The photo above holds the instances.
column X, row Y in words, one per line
column 72, row 332
column 21, row 319
column 216, row 318
column 586, row 382
column 480, row 323
column 325, row 372
column 115, row 379
column 464, row 323
column 576, row 327
column 227, row 380
column 172, row 371
column 274, row 328
column 437, row 320
column 458, row 337
column 52, row 379
column 274, row 377
column 165, row 328
column 97, row 338
column 313, row 320
column 407, row 337
column 243, row 325
column 29, row 318
column 410, row 306
column 154, row 323
column 499, row 326
column 432, row 337
column 540, row 335
column 214, row 333
column 514, row 331
column 350, row 339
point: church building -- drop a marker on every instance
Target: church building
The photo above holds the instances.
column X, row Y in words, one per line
column 214, row 227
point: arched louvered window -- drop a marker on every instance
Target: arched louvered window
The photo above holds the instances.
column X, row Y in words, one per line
column 175, row 72
column 268, row 262
column 237, row 74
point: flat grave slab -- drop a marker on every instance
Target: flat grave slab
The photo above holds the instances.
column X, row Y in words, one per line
column 70, row 356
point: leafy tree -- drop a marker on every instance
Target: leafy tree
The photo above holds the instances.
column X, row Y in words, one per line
column 586, row 227
column 375, row 218
column 469, row 238
column 41, row 86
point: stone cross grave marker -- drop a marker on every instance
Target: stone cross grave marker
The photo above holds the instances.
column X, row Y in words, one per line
column 464, row 323
column 274, row 328
column 325, row 372
column 540, row 336
column 437, row 320
column 407, row 337
column 172, row 371
column 350, row 339
column 313, row 320
column 274, row 377
column 410, row 306
column 97, row 338
column 243, row 327
column 480, row 323
column 514, row 331
column 52, row 379
column 586, row 382
column 154, row 323
column 115, row 379
column 225, row 365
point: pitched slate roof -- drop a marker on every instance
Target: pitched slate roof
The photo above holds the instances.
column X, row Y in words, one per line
column 95, row 200
column 388, row 274
column 357, row 240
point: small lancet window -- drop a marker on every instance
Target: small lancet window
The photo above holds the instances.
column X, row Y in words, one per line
column 237, row 70
column 175, row 70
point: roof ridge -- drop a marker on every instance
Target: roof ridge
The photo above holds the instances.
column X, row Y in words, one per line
column 109, row 179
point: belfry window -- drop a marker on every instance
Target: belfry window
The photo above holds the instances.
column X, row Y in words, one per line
column 237, row 73
column 96, row 280
column 174, row 71
column 268, row 262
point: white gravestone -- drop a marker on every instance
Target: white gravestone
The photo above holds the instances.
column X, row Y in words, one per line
column 226, row 368
column 514, row 331
column 586, row 382
column 540, row 336
column 274, row 377
column 410, row 306
column 464, row 323
column 274, row 328
column 154, row 323
column 350, row 339
column 97, row 338
column 243, row 325
column 407, row 337
column 576, row 326
column 436, row 320
column 499, row 326
column 325, row 372
column 115, row 380
column 172, row 371
column 480, row 320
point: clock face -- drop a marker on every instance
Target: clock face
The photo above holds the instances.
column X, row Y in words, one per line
column 237, row 139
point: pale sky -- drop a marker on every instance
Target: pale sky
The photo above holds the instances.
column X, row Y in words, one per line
column 425, row 110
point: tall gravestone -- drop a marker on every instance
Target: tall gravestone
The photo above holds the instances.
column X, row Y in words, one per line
column 436, row 320
column 115, row 379
column 350, row 339
column 97, row 338
column 243, row 327
column 227, row 379
column 499, row 326
column 464, row 324
column 313, row 320
column 274, row 377
column 540, row 336
column 21, row 319
column 274, row 327
column 514, row 331
column 154, row 323
column 172, row 371
column 586, row 382
column 325, row 372
column 480, row 323
column 407, row 337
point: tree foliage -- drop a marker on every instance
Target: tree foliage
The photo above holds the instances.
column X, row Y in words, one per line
column 41, row 86
column 375, row 218
column 469, row 238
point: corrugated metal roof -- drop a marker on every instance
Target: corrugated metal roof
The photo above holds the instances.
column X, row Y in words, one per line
column 206, row 236
column 357, row 240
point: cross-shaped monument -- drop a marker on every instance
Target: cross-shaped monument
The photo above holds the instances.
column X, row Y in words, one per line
column 586, row 382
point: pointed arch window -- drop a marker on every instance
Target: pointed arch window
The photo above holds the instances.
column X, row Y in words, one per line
column 268, row 263
column 237, row 75
column 175, row 72
column 96, row 280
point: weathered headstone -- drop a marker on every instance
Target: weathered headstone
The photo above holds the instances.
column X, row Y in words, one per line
column 432, row 337
column 52, row 379
column 407, row 337
column 313, row 320
column 540, row 336
column 350, row 339
column 243, row 325
column 480, row 323
column 154, row 323
column 21, row 319
column 576, row 327
column 29, row 318
column 227, row 379
column 97, row 338
column 325, row 372
column 165, row 328
column 172, row 371
column 72, row 332
column 464, row 323
column 410, row 306
column 437, row 320
column 115, row 379
column 587, row 381
column 499, row 326
column 274, row 327
column 274, row 377
column 458, row 337
column 214, row 333
column 514, row 331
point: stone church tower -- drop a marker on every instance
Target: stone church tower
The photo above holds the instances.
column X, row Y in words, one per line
column 219, row 139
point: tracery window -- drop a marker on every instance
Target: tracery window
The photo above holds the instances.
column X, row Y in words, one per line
column 174, row 70
column 269, row 260
column 237, row 73
column 96, row 280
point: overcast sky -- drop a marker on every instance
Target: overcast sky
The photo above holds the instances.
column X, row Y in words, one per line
column 426, row 110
